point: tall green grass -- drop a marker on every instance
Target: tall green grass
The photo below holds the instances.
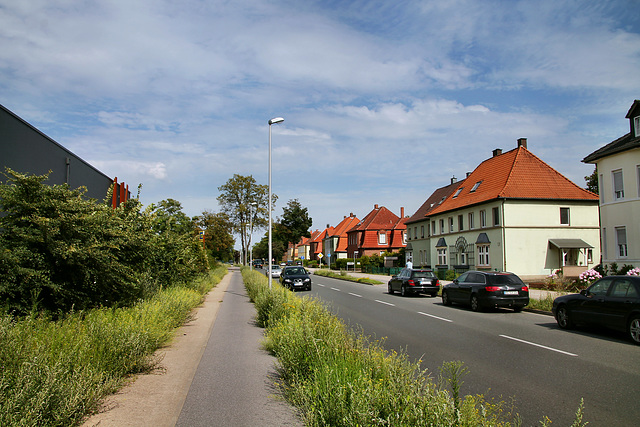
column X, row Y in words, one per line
column 54, row 373
column 338, row 377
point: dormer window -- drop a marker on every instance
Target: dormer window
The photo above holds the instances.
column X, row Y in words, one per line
column 636, row 125
column 457, row 192
column 475, row 186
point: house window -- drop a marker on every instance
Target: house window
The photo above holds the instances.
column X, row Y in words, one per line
column 404, row 238
column 604, row 243
column 450, row 224
column 618, row 186
column 460, row 223
column 638, row 173
column 442, row 256
column 475, row 186
column 382, row 238
column 433, row 228
column 636, row 125
column 564, row 216
column 589, row 256
column 621, row 238
column 496, row 216
column 601, row 188
column 483, row 255
column 415, row 232
column 472, row 224
column 422, row 231
column 483, row 218
column 442, row 226
column 457, row 192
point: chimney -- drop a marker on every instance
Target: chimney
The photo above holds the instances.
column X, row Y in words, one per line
column 454, row 179
column 522, row 142
column 497, row 152
column 375, row 206
column 468, row 173
column 351, row 214
column 328, row 225
column 402, row 212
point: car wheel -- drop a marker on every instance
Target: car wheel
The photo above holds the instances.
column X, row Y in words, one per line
column 475, row 303
column 434, row 294
column 403, row 291
column 445, row 298
column 564, row 318
column 634, row 329
column 390, row 289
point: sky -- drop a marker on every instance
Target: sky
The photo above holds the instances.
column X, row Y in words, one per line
column 383, row 101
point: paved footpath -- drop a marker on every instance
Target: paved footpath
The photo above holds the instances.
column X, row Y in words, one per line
column 215, row 373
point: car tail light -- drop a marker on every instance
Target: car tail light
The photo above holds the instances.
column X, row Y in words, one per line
column 411, row 282
column 436, row 283
column 492, row 288
column 525, row 289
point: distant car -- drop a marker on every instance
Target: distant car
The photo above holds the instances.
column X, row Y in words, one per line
column 612, row 302
column 414, row 281
column 295, row 277
column 275, row 271
column 487, row 289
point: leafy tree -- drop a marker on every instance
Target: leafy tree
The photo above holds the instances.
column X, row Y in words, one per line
column 592, row 181
column 246, row 203
column 294, row 224
column 217, row 237
column 278, row 247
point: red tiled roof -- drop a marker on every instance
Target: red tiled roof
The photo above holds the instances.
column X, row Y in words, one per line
column 516, row 174
column 380, row 218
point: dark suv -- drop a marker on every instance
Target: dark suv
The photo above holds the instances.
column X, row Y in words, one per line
column 295, row 277
column 414, row 281
column 487, row 289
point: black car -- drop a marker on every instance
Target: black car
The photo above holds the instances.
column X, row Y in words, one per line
column 414, row 281
column 612, row 302
column 487, row 289
column 295, row 277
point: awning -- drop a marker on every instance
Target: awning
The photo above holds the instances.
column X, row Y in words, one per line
column 569, row 243
column 483, row 238
column 441, row 243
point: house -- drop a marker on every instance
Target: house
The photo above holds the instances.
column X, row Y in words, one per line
column 335, row 242
column 25, row 149
column 380, row 231
column 316, row 244
column 618, row 170
column 418, row 248
column 515, row 213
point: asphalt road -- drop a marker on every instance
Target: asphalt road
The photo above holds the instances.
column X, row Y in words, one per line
column 523, row 356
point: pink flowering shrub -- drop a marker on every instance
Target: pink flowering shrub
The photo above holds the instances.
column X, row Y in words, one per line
column 634, row 272
column 588, row 277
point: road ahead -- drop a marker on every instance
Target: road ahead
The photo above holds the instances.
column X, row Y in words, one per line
column 520, row 355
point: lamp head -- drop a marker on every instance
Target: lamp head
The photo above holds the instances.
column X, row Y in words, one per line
column 276, row 120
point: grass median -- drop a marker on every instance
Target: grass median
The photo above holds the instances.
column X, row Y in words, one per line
column 337, row 377
column 54, row 373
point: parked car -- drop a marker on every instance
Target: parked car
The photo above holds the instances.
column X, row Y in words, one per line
column 414, row 281
column 295, row 277
column 276, row 271
column 612, row 302
column 487, row 289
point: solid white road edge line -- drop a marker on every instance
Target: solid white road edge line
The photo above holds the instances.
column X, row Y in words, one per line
column 435, row 317
column 539, row 345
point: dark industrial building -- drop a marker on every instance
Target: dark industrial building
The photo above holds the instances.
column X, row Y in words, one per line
column 25, row 149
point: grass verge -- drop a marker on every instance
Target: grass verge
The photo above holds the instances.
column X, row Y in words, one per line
column 54, row 373
column 344, row 276
column 337, row 377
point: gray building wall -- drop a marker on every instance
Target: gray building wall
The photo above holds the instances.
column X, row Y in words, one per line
column 25, row 149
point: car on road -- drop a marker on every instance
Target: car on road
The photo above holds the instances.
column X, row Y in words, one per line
column 612, row 302
column 295, row 277
column 487, row 289
column 414, row 281
column 276, row 271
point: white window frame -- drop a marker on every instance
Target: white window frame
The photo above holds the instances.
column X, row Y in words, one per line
column 636, row 125
column 483, row 256
column 422, row 231
column 472, row 224
column 442, row 256
column 442, row 226
column 460, row 222
column 450, row 224
column 618, row 193
column 621, row 242
column 568, row 221
column 495, row 215
column 483, row 218
column 382, row 237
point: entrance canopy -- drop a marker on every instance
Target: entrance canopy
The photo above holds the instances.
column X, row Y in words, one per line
column 569, row 243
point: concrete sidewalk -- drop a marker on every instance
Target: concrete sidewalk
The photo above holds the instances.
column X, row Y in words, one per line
column 222, row 335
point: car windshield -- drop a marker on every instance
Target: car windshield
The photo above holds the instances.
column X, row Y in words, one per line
column 423, row 274
column 275, row 267
column 295, row 270
column 504, row 279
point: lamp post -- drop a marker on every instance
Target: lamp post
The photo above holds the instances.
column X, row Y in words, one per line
column 271, row 122
column 251, row 205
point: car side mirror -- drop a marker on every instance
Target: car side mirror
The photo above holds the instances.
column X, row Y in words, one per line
column 583, row 292
column 455, row 281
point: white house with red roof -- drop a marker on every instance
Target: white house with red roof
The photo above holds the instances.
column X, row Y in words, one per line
column 335, row 242
column 618, row 169
column 512, row 213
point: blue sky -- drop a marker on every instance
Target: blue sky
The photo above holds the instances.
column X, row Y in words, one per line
column 384, row 101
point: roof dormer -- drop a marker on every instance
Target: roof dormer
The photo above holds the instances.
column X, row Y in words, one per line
column 634, row 118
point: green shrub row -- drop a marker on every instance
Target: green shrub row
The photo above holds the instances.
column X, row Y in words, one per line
column 337, row 377
column 345, row 276
column 54, row 373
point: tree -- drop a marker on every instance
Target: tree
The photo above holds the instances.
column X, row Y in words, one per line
column 246, row 204
column 592, row 181
column 217, row 234
column 294, row 224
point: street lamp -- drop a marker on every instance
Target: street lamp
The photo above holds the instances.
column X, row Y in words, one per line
column 251, row 205
column 271, row 122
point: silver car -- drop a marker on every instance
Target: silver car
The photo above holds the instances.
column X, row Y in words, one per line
column 276, row 271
